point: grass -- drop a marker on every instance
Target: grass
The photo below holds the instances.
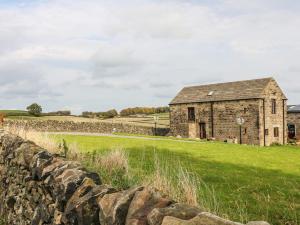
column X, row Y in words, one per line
column 237, row 182
column 242, row 183
column 157, row 137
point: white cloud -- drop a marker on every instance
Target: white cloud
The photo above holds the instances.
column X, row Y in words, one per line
column 115, row 61
column 125, row 53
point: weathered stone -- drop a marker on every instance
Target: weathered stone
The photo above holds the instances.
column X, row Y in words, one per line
column 95, row 177
column 28, row 212
column 56, row 163
column 41, row 215
column 39, row 162
column 67, row 183
column 11, row 202
column 9, row 144
column 257, row 223
column 177, row 210
column 27, row 179
column 58, row 166
column 203, row 218
column 25, row 153
column 114, row 207
column 57, row 220
column 36, row 197
column 50, row 173
column 143, row 203
column 82, row 206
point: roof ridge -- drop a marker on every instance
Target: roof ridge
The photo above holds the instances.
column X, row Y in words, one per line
column 230, row 82
column 243, row 89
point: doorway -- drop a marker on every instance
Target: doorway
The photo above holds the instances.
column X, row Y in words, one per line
column 292, row 131
column 202, row 130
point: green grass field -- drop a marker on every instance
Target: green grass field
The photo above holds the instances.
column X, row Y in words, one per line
column 247, row 183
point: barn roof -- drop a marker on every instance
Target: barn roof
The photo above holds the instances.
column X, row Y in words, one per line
column 239, row 90
column 294, row 109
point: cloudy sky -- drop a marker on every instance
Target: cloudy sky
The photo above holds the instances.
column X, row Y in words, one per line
column 98, row 54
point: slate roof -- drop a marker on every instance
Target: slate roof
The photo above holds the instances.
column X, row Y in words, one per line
column 294, row 109
column 239, row 90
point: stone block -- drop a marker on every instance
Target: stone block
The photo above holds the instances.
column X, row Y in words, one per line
column 143, row 203
column 114, row 206
column 82, row 207
column 177, row 210
column 203, row 218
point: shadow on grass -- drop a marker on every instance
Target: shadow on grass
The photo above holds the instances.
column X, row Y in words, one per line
column 244, row 192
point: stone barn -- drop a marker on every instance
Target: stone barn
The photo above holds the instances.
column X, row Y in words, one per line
column 215, row 111
column 293, row 122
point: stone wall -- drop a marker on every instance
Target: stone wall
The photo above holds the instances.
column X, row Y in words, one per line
column 90, row 127
column 279, row 119
column 294, row 118
column 38, row 187
column 220, row 120
column 225, row 120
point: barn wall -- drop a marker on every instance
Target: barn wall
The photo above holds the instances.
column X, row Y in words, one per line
column 224, row 125
column 275, row 120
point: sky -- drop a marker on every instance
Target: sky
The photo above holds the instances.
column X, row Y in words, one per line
column 94, row 55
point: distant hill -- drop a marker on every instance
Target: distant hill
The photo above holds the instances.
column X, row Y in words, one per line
column 14, row 112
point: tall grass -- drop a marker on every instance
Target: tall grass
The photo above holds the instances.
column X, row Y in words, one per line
column 179, row 184
column 42, row 139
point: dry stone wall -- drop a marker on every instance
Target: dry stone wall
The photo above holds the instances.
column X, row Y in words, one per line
column 38, row 187
column 90, row 127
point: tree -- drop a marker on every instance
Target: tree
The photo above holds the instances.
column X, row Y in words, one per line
column 34, row 109
column 144, row 110
column 111, row 113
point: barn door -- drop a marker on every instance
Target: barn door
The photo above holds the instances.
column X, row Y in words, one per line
column 202, row 130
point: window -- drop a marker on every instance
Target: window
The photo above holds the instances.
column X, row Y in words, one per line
column 266, row 131
column 245, row 110
column 276, row 131
column 245, row 131
column 273, row 106
column 191, row 114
